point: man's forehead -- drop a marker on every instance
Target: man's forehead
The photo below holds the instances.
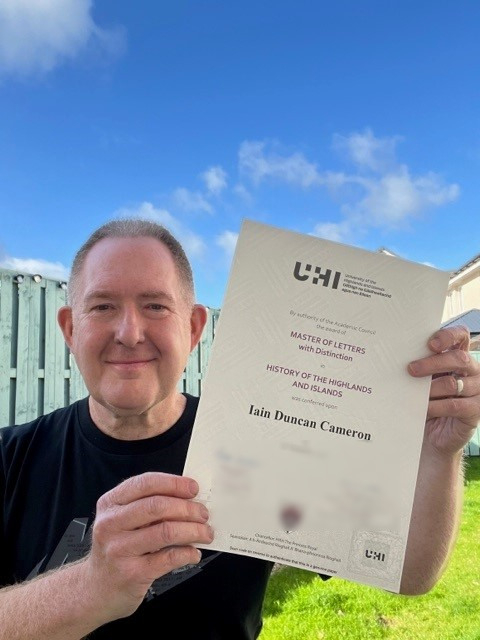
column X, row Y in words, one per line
column 142, row 257
column 140, row 267
column 152, row 247
column 121, row 290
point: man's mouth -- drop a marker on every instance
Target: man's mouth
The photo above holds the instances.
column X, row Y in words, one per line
column 130, row 365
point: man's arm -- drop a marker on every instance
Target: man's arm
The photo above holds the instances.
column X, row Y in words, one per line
column 144, row 528
column 435, row 521
column 451, row 422
column 55, row 606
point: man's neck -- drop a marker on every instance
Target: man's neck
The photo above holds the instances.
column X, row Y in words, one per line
column 131, row 425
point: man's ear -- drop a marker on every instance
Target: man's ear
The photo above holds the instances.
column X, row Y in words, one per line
column 198, row 321
column 65, row 321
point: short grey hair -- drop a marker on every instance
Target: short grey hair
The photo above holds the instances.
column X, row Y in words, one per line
column 134, row 228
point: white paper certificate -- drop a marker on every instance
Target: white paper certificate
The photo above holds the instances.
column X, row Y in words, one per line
column 308, row 434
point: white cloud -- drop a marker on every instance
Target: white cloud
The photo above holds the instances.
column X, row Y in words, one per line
column 393, row 199
column 38, row 35
column 215, row 179
column 242, row 192
column 191, row 200
column 366, row 151
column 380, row 192
column 192, row 243
column 336, row 231
column 51, row 270
column 227, row 241
column 257, row 164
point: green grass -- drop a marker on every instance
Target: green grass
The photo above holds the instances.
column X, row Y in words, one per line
column 300, row 606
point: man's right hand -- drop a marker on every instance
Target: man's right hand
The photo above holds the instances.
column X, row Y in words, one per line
column 145, row 527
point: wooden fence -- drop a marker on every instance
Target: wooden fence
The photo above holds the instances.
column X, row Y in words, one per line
column 37, row 372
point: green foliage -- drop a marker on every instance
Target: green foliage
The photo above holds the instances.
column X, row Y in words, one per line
column 300, row 606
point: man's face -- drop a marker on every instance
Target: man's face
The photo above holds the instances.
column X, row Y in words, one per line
column 130, row 328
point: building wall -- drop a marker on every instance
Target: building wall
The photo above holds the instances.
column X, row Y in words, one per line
column 463, row 291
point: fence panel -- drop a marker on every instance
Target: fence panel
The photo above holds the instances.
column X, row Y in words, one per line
column 56, row 352
column 7, row 322
column 25, row 356
column 196, row 368
column 32, row 349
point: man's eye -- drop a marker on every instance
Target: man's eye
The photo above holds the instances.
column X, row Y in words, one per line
column 101, row 307
column 156, row 307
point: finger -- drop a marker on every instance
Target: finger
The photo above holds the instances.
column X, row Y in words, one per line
column 146, row 512
column 159, row 508
column 149, row 484
column 455, row 360
column 171, row 558
column 164, row 535
column 465, row 410
column 456, row 337
column 158, row 563
column 454, row 386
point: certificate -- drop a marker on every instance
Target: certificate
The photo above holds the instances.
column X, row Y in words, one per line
column 308, row 434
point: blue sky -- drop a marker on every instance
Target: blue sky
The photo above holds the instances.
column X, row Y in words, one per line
column 354, row 121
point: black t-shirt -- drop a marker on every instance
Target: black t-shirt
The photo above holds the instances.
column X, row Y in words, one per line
column 52, row 472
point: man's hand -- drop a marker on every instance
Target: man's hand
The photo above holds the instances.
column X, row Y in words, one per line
column 144, row 528
column 452, row 416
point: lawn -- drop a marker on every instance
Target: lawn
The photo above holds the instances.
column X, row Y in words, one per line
column 300, row 606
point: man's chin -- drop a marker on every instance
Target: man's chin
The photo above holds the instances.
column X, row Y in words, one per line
column 126, row 407
column 128, row 411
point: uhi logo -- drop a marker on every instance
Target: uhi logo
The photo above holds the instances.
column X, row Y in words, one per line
column 315, row 275
column 374, row 555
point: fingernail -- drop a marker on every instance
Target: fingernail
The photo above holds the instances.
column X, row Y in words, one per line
column 435, row 343
column 204, row 512
column 412, row 367
column 193, row 487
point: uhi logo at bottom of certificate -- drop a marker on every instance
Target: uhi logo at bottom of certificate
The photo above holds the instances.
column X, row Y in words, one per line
column 376, row 554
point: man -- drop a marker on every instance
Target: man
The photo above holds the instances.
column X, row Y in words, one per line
column 99, row 527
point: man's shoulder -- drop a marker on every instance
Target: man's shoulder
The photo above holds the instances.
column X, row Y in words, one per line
column 191, row 405
column 46, row 422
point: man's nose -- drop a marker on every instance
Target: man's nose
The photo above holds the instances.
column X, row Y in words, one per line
column 129, row 330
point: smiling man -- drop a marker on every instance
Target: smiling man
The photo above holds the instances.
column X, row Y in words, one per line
column 131, row 327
